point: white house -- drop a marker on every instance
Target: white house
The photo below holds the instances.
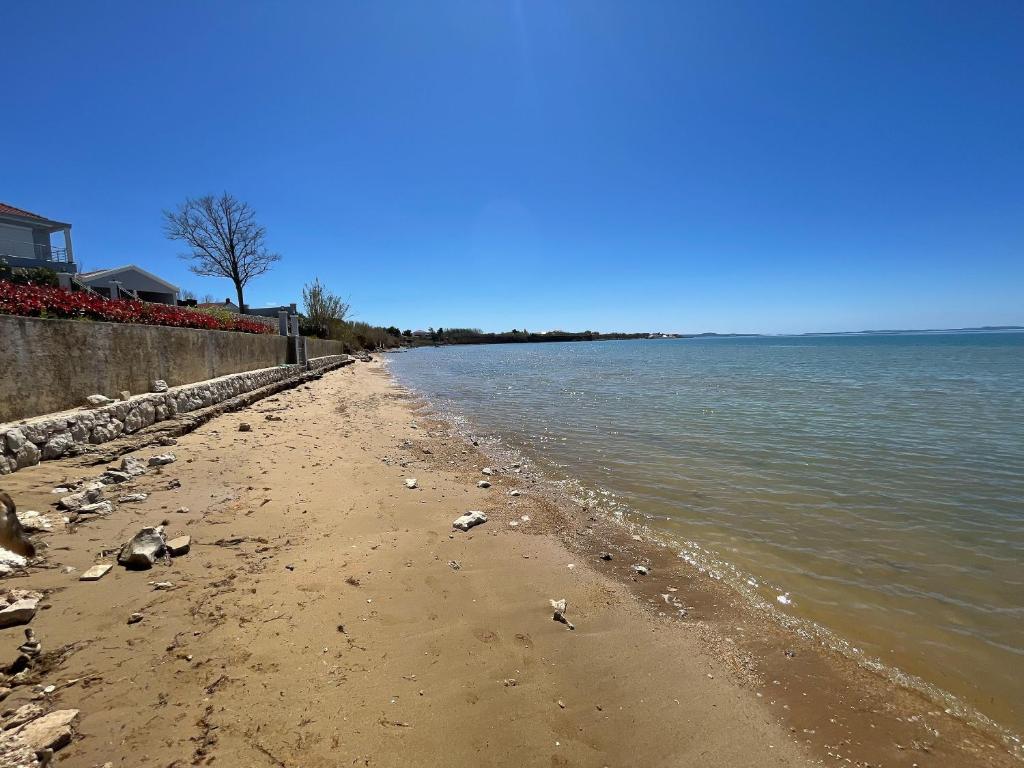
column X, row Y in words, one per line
column 131, row 282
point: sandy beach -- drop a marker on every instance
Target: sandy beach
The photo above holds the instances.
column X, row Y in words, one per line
column 328, row 615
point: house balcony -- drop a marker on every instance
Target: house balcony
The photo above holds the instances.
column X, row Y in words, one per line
column 16, row 253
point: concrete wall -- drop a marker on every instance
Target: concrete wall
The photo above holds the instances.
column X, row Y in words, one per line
column 52, row 365
column 323, row 347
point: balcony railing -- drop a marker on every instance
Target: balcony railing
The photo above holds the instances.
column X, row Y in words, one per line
column 22, row 250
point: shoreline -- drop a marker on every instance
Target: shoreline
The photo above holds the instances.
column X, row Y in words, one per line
column 745, row 583
column 318, row 619
column 853, row 667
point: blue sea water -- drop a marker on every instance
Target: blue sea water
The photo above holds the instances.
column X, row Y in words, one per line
column 876, row 482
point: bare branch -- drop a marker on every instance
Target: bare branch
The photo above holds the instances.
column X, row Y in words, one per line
column 223, row 238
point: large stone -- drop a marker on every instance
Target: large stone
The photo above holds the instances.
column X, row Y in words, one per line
column 143, row 549
column 92, row 494
column 32, row 521
column 179, row 545
column 80, row 427
column 19, row 612
column 27, row 456
column 58, row 445
column 15, row 439
column 23, row 714
column 112, row 476
column 132, row 466
column 38, row 432
column 52, row 731
column 133, row 421
column 469, row 520
column 161, row 459
column 158, row 385
column 97, row 401
column 102, row 433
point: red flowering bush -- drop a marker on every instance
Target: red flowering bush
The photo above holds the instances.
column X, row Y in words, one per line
column 45, row 301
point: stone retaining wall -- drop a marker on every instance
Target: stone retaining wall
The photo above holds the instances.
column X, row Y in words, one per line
column 50, row 437
column 51, row 364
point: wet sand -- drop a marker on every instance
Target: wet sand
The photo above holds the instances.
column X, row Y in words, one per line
column 327, row 615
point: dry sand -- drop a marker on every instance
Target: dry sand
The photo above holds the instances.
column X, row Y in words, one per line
column 318, row 619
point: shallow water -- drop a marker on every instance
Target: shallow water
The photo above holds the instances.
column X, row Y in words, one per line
column 874, row 482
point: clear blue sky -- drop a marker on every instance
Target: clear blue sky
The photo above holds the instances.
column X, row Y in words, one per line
column 682, row 166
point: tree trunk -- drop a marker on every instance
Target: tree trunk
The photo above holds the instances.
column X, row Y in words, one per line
column 238, row 290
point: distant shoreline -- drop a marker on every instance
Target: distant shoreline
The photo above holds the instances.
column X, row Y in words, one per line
column 522, row 337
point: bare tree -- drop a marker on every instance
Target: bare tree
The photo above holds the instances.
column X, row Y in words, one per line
column 324, row 310
column 224, row 239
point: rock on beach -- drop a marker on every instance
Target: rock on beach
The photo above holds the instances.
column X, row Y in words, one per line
column 143, row 549
column 469, row 520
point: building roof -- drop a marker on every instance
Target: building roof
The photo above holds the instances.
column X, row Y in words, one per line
column 226, row 304
column 10, row 210
column 99, row 274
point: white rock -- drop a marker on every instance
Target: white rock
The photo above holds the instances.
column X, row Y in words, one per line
column 9, row 561
column 129, row 497
column 560, row 607
column 19, row 612
column 99, row 508
column 468, row 520
column 34, row 521
column 132, row 466
column 642, row 570
column 483, row 484
column 514, row 493
column 160, row 459
column 179, row 545
column 96, row 401
column 143, row 549
column 51, row 731
column 487, row 471
column 96, row 573
column 410, row 482
column 91, row 494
